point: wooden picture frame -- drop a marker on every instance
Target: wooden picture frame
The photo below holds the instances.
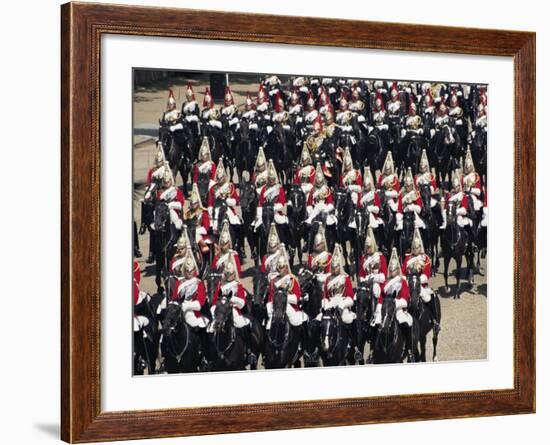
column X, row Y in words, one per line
column 82, row 26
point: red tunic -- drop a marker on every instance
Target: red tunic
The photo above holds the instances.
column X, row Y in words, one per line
column 477, row 184
column 298, row 179
column 403, row 293
column 328, row 200
column 310, row 262
column 179, row 198
column 417, row 201
column 427, row 270
column 433, row 184
column 463, row 202
column 235, row 257
column 137, row 279
column 395, row 184
column 375, row 202
column 348, row 288
column 383, row 265
column 240, row 294
column 196, row 172
column 199, row 295
column 214, row 191
column 263, row 264
column 205, row 224
column 279, row 199
column 294, row 288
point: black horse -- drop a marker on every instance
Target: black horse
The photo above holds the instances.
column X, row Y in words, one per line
column 249, row 204
column 282, row 343
column 146, row 339
column 227, row 348
column 279, row 150
column 257, row 304
column 333, row 338
column 478, row 149
column 365, row 306
column 165, row 239
column 343, row 208
column 389, row 346
column 180, row 150
column 179, row 344
column 431, row 233
column 389, row 234
column 312, row 294
column 420, row 311
column 245, row 150
column 377, row 150
column 454, row 242
column 406, row 235
column 445, row 150
column 411, row 148
column 297, row 214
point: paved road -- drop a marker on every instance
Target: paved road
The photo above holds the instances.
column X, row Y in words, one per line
column 464, row 321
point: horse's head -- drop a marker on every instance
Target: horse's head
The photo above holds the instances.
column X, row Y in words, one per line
column 162, row 215
column 172, row 319
column 297, row 197
column 261, row 284
column 362, row 300
column 243, row 130
column 414, row 290
column 329, row 327
column 223, row 314
column 305, row 279
column 248, row 195
column 426, row 194
column 388, row 314
column 279, row 305
column 212, row 281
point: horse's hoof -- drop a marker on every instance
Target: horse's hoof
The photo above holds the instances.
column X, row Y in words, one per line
column 448, row 290
column 436, row 358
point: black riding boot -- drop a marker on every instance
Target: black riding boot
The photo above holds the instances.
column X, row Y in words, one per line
column 357, row 355
column 137, row 252
column 151, row 258
column 239, row 247
column 247, row 336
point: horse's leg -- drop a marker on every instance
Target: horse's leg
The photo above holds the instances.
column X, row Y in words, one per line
column 458, row 273
column 446, row 261
column 423, row 348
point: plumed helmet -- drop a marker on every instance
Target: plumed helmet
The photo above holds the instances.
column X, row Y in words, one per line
column 412, row 106
column 319, row 176
column 272, row 177
column 167, row 178
column 329, row 114
column 159, row 156
column 305, row 157
column 310, row 102
column 379, row 102
column 323, row 97
column 442, row 110
column 455, row 182
column 318, row 124
column 171, row 104
column 368, row 181
column 279, row 103
column 370, row 242
column 261, row 161
column 417, row 246
column 183, row 242
column 409, row 178
column 347, row 162
column 388, row 168
column 249, row 104
column 189, row 93
column 261, row 94
column 337, row 261
column 230, row 270
column 424, row 166
column 343, row 101
column 394, row 266
column 221, row 174
column 294, row 97
column 208, row 101
column 273, row 241
column 195, row 199
column 282, row 259
column 428, row 99
column 204, row 151
column 225, row 241
column 190, row 267
column 469, row 166
column 320, row 242
column 394, row 92
column 228, row 97
column 453, row 101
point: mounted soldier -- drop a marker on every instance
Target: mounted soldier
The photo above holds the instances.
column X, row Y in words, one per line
column 268, row 263
column 230, row 118
column 413, row 122
column 196, row 216
column 320, row 199
column 172, row 116
column 371, row 200
column 226, row 253
column 410, row 200
column 394, row 105
column 418, row 263
column 425, row 177
column 319, row 259
column 471, row 182
column 210, row 115
column 397, row 288
column 231, row 288
column 273, row 195
column 182, row 246
column 305, row 172
column 204, row 172
column 173, row 196
column 338, row 293
column 373, row 266
column 351, row 178
column 259, row 176
column 285, row 280
column 459, row 198
column 190, row 111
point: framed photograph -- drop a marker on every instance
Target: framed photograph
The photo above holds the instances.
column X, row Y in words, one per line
column 278, row 222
